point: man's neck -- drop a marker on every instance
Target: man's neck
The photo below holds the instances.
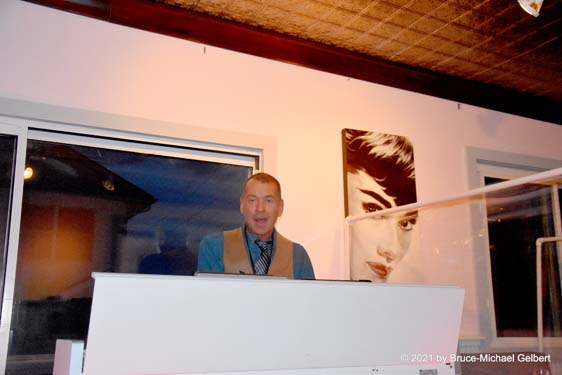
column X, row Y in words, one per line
column 264, row 237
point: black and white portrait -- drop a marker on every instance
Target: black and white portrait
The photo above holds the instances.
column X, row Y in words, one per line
column 378, row 174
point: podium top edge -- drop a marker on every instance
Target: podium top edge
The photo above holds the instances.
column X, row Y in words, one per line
column 260, row 279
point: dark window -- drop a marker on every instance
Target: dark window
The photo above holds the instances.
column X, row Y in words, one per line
column 516, row 218
column 90, row 209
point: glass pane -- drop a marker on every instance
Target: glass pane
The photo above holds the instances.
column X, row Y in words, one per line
column 516, row 218
column 89, row 209
column 7, row 161
column 449, row 246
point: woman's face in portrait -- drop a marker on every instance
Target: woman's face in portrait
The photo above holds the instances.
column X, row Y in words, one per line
column 377, row 244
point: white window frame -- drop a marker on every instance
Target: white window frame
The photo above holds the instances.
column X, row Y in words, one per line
column 27, row 120
column 149, row 145
column 18, row 129
column 482, row 162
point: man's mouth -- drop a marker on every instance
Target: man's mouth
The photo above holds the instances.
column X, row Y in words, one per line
column 380, row 269
column 261, row 221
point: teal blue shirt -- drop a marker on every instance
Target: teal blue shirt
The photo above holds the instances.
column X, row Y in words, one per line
column 211, row 253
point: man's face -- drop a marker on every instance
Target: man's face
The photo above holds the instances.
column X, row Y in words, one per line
column 378, row 244
column 261, row 205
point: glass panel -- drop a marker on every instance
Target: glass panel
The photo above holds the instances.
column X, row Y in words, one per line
column 516, row 218
column 7, row 162
column 448, row 245
column 88, row 209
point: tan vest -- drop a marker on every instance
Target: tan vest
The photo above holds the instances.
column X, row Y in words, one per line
column 236, row 259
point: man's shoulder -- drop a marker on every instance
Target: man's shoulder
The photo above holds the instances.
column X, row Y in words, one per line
column 213, row 239
column 216, row 238
column 296, row 246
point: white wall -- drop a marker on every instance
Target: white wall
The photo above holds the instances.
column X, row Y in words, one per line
column 66, row 60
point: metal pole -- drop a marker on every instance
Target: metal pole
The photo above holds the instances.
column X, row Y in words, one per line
column 540, row 333
column 538, row 177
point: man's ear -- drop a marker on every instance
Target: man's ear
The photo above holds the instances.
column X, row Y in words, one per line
column 241, row 206
column 281, row 207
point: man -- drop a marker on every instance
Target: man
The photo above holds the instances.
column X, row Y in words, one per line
column 379, row 174
column 256, row 248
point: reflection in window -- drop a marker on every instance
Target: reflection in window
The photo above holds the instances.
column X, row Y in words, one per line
column 516, row 218
column 89, row 209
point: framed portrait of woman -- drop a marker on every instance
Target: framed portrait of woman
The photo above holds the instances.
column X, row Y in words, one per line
column 378, row 173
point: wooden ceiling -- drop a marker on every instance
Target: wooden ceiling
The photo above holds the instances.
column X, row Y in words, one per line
column 487, row 53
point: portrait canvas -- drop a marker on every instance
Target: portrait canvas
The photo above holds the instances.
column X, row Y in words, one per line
column 378, row 173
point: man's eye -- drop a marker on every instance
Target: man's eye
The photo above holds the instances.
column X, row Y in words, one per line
column 407, row 225
column 370, row 207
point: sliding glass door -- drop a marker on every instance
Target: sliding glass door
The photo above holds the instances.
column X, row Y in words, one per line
column 86, row 203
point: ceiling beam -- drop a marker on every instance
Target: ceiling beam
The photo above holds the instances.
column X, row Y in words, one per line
column 177, row 22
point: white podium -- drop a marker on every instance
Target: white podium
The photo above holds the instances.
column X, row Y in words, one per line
column 144, row 324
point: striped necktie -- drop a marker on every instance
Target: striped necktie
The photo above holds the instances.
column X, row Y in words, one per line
column 262, row 264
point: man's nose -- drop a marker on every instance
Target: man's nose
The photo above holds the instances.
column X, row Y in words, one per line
column 386, row 253
column 260, row 206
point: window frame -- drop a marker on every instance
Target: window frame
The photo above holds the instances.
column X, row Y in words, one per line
column 94, row 129
column 18, row 129
column 481, row 160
